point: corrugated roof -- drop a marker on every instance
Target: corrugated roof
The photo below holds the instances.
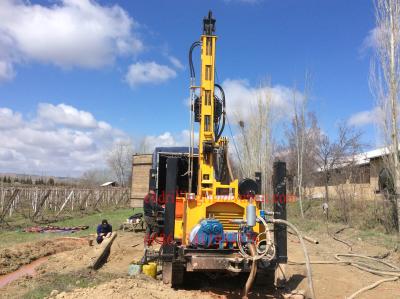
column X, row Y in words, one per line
column 107, row 184
column 172, row 149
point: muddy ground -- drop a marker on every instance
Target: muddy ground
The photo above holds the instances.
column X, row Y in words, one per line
column 65, row 274
column 13, row 258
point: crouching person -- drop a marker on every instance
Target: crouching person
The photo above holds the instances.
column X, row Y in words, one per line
column 104, row 230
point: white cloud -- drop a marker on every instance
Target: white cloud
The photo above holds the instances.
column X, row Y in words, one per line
column 371, row 40
column 176, row 62
column 6, row 70
column 60, row 139
column 148, row 73
column 68, row 33
column 63, row 114
column 367, row 117
column 376, row 39
column 241, row 98
column 68, row 143
column 9, row 118
column 168, row 139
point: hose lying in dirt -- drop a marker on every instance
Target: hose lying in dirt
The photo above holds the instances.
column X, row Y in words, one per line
column 394, row 272
column 269, row 251
column 256, row 253
column 253, row 272
column 307, row 258
column 309, row 239
column 336, row 238
column 362, row 266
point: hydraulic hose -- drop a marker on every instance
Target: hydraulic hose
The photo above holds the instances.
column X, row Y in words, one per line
column 219, row 133
column 191, row 67
column 307, row 258
column 269, row 248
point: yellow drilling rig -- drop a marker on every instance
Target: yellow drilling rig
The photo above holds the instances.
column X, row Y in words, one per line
column 212, row 222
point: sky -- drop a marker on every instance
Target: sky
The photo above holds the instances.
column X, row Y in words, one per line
column 77, row 76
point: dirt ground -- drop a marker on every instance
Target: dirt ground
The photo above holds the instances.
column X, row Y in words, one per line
column 13, row 258
column 66, row 274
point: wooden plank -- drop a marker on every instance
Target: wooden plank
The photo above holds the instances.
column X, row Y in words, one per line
column 101, row 251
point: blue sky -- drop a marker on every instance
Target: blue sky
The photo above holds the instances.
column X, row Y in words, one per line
column 58, row 61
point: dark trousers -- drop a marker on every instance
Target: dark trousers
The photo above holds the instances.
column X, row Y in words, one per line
column 151, row 229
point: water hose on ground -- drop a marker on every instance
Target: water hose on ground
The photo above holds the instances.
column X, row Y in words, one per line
column 253, row 272
column 394, row 271
column 307, row 258
column 269, row 251
column 256, row 253
column 336, row 238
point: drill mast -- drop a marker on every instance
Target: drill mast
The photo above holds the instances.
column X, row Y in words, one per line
column 206, row 134
column 212, row 147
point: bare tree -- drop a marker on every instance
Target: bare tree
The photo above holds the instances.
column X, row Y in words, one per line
column 255, row 140
column 345, row 180
column 302, row 137
column 119, row 160
column 143, row 147
column 385, row 77
column 331, row 155
column 95, row 177
column 299, row 135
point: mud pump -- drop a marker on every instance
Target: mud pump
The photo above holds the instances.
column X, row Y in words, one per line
column 212, row 222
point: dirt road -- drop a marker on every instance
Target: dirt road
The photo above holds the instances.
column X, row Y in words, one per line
column 65, row 275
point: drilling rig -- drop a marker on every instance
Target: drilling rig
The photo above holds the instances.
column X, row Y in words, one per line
column 211, row 221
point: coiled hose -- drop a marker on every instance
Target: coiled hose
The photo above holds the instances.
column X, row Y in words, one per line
column 394, row 272
column 268, row 252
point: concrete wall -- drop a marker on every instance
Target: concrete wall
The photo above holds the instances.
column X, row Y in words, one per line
column 350, row 191
column 364, row 191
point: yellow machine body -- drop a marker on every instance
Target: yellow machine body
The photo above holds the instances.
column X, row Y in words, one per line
column 213, row 198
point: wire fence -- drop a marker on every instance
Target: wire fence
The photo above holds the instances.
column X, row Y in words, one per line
column 38, row 203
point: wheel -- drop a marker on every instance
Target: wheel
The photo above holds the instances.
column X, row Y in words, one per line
column 173, row 273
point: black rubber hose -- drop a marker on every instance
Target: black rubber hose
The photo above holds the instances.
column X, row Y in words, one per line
column 191, row 67
column 218, row 135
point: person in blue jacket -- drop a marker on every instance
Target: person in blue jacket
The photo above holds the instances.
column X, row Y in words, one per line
column 104, row 230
